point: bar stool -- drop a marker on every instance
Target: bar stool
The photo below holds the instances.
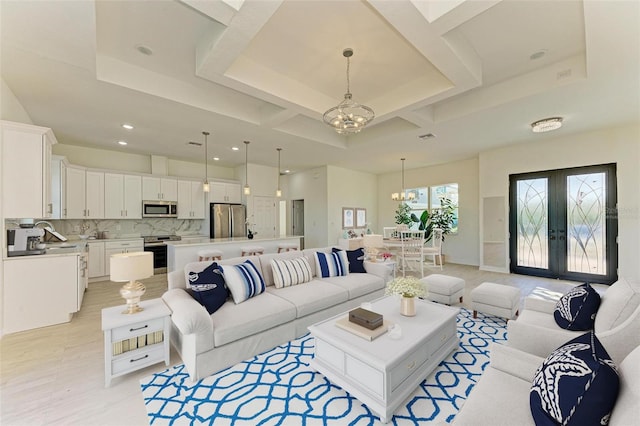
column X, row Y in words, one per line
column 204, row 255
column 251, row 250
column 287, row 247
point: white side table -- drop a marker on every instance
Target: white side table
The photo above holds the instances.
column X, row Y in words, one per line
column 135, row 341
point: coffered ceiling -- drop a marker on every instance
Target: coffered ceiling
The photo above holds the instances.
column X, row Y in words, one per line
column 473, row 73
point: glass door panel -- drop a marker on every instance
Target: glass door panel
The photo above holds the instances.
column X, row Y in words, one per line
column 532, row 219
column 586, row 224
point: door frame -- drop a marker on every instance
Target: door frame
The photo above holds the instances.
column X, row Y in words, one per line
column 557, row 253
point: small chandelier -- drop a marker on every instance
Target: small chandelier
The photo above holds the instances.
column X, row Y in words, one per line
column 348, row 117
column 400, row 196
column 205, row 184
column 278, row 190
column 246, row 190
column 546, row 125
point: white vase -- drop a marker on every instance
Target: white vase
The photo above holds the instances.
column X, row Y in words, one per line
column 408, row 306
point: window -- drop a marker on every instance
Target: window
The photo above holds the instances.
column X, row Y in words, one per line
column 429, row 198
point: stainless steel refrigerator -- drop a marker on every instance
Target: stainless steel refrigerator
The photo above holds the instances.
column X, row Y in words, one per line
column 227, row 220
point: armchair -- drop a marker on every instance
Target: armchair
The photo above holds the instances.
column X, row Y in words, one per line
column 501, row 396
column 617, row 323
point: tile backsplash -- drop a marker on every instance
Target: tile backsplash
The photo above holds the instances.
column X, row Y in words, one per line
column 130, row 228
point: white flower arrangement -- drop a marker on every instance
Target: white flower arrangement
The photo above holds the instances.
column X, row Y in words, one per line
column 406, row 287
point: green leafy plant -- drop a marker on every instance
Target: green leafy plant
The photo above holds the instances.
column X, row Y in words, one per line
column 403, row 216
column 443, row 217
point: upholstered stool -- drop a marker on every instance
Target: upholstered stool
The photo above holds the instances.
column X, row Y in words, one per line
column 444, row 289
column 251, row 250
column 287, row 247
column 495, row 299
column 204, row 255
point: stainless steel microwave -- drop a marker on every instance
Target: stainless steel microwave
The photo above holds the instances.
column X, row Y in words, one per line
column 159, row 209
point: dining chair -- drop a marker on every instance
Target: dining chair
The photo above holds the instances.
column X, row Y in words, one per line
column 412, row 250
column 436, row 247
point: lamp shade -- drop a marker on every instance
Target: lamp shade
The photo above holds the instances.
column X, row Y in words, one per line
column 131, row 266
column 373, row 241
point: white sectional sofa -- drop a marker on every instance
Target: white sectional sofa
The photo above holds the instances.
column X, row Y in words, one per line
column 210, row 343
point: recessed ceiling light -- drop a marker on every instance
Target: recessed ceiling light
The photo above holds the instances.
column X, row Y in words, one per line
column 127, row 126
column 537, row 55
column 216, row 158
column 546, row 125
column 122, row 142
column 144, row 50
column 235, row 148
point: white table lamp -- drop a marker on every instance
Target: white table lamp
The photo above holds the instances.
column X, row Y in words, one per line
column 372, row 242
column 129, row 267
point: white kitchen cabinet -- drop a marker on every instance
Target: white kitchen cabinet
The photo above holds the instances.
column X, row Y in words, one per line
column 157, row 188
column 40, row 291
column 190, row 200
column 225, row 192
column 122, row 246
column 58, row 185
column 26, row 170
column 122, row 196
column 96, row 259
column 84, row 194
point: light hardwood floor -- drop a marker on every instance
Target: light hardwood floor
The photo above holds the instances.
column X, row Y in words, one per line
column 55, row 375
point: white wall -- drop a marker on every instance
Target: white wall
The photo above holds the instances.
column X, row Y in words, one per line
column 136, row 163
column 620, row 145
column 462, row 247
column 311, row 186
column 10, row 107
column 348, row 188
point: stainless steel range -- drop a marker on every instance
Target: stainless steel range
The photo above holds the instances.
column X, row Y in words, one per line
column 156, row 245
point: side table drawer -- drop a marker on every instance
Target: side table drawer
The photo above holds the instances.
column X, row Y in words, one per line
column 407, row 366
column 136, row 329
column 136, row 359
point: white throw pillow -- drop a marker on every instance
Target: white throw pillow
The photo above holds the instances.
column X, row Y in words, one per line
column 243, row 280
column 333, row 264
column 288, row 272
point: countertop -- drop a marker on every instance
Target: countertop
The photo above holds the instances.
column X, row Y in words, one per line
column 207, row 241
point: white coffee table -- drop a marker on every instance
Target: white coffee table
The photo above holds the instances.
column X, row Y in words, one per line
column 382, row 373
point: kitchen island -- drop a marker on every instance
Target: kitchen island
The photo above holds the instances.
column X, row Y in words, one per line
column 179, row 253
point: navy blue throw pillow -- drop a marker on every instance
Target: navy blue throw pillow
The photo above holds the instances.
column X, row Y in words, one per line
column 577, row 309
column 577, row 385
column 208, row 287
column 356, row 260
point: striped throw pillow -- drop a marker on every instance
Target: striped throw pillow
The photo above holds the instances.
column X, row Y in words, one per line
column 288, row 272
column 331, row 264
column 243, row 280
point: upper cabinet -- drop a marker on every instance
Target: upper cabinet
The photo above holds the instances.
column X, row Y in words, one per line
column 159, row 188
column 225, row 192
column 190, row 200
column 122, row 196
column 26, row 170
column 84, row 194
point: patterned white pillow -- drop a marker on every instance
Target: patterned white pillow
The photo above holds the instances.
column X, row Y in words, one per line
column 333, row 264
column 288, row 272
column 243, row 280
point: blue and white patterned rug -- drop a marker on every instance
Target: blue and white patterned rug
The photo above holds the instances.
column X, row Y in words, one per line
column 278, row 387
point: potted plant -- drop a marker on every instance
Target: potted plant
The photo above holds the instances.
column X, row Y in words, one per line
column 403, row 216
column 443, row 218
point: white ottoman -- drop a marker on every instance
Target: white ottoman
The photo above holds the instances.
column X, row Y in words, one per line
column 495, row 299
column 444, row 289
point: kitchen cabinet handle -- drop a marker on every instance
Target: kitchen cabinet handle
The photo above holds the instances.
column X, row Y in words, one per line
column 50, row 208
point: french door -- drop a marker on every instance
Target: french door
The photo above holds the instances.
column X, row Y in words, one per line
column 562, row 224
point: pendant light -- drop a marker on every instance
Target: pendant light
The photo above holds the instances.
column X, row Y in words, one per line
column 247, row 189
column 400, row 196
column 348, row 117
column 205, row 184
column 278, row 191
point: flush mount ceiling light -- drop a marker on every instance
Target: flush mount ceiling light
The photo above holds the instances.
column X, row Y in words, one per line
column 205, row 184
column 246, row 189
column 348, row 117
column 400, row 196
column 546, row 125
column 127, row 126
column 278, row 190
